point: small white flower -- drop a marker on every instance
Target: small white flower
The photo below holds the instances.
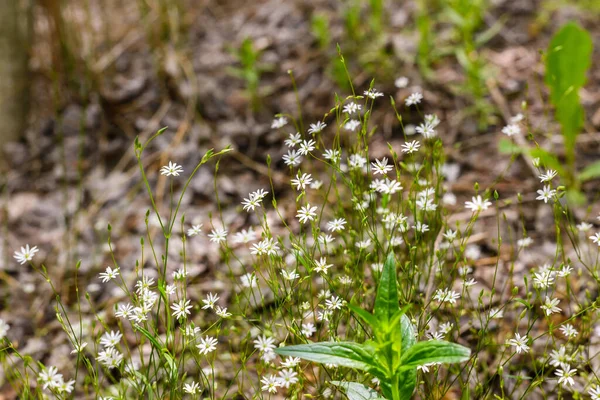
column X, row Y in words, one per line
column 316, row 128
column 372, row 93
column 171, row 169
column 550, row 306
column 181, row 309
column 334, row 303
column 194, row 230
column 264, row 344
column 290, row 362
column 322, row 266
column 109, row 274
column 546, row 194
column 270, row 383
column 301, row 181
column 306, row 147
column 292, row 158
column 565, row 375
column 411, row 147
column 218, row 235
column 26, row 254
column 519, row 343
column 525, row 242
column 193, row 388
column 477, row 204
column 4, row 327
column 511, row 130
column 427, row 130
column 209, row 301
column 249, row 280
column 279, row 123
column 381, row 166
column 293, row 140
column 222, row 312
column 336, row 225
column 207, row 345
column 287, row 377
column 446, row 296
column 596, row 238
column 111, row 339
column 548, row 176
column 307, row 213
column 584, row 226
column 245, row 236
column 351, row 125
column 594, row 392
column 331, row 155
column 351, row 108
column 308, row 329
column 414, row 98
column 401, row 82
column 568, row 330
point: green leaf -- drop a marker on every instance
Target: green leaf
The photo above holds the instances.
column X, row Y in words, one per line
column 386, row 302
column 364, row 315
column 345, row 354
column 434, row 351
column 409, row 337
column 357, row 391
column 408, row 382
column 567, row 61
column 592, row 171
column 505, row 146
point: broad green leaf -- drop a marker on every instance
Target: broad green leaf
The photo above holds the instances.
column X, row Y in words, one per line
column 364, row 315
column 567, row 61
column 345, row 354
column 358, row 391
column 505, row 146
column 408, row 382
column 434, row 351
column 592, row 171
column 386, row 302
column 409, row 337
column 547, row 159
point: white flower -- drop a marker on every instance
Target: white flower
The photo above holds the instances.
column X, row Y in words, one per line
column 546, row 194
column 331, row 155
column 336, row 225
column 381, row 166
column 180, row 274
column 511, row 130
column 301, row 181
column 594, row 393
column 548, row 176
column 525, row 242
column 560, row 357
column 194, row 230
column 596, row 238
column 316, row 128
column 352, row 107
column 496, row 313
column 568, row 330
column 565, row 375
column 351, row 125
column 290, row 275
column 334, row 303
column 363, row 244
column 181, row 309
column 270, row 383
column 421, row 227
column 264, row 344
column 267, row 246
column 290, row 362
column 249, row 280
column 287, row 377
column 517, row 118
column 292, row 158
column 50, row 378
column 110, row 339
column 308, row 329
column 222, row 312
column 427, row 130
column 171, row 169
column 519, row 343
column 171, row 289
column 4, row 327
column 110, row 358
column 279, row 123
column 372, row 93
column 26, row 254
column 124, row 311
column 401, row 82
column 564, row 271
column 109, row 274
column 209, row 301
column 307, row 213
column 322, row 266
column 254, row 200
column 293, row 140
column 550, row 306
column 306, row 147
column 245, row 236
column 194, row 388
column 207, row 345
column 446, row 296
column 450, row 235
column 411, row 147
column 477, row 204
column 413, row 99
column 218, row 235
column 584, row 226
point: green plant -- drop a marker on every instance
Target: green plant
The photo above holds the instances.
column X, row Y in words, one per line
column 393, row 354
column 249, row 70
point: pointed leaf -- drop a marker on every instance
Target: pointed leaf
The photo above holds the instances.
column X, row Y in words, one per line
column 592, row 171
column 386, row 302
column 358, row 391
column 434, row 351
column 409, row 337
column 345, row 354
column 364, row 315
column 408, row 382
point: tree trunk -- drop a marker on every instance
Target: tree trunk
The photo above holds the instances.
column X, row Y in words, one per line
column 14, row 74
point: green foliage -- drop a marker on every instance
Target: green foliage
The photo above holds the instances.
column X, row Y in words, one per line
column 249, row 71
column 567, row 62
column 393, row 354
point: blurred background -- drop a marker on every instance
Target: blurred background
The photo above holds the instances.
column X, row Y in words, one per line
column 80, row 79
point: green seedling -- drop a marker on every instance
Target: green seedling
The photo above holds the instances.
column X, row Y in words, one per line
column 392, row 355
column 249, row 70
